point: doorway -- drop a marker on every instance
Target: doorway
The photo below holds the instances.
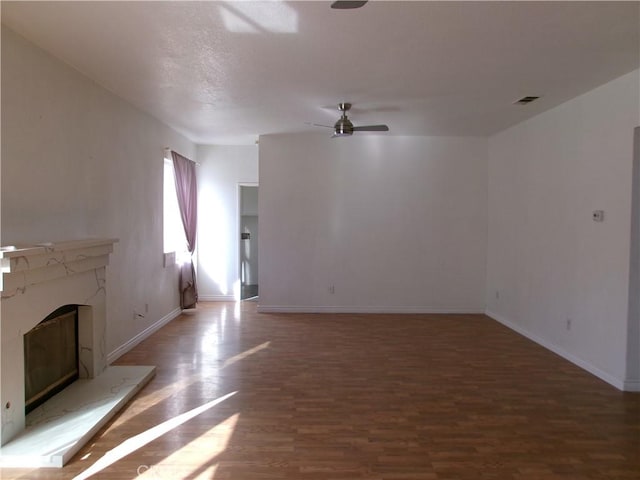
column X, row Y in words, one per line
column 248, row 238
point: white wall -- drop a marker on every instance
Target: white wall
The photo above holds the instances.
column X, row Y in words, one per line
column 393, row 223
column 632, row 378
column 222, row 169
column 79, row 162
column 249, row 203
column 547, row 259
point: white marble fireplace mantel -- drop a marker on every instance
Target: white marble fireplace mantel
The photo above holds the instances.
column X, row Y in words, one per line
column 35, row 281
column 24, row 266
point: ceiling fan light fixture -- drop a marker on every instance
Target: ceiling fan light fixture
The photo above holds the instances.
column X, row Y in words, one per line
column 338, row 134
column 343, row 127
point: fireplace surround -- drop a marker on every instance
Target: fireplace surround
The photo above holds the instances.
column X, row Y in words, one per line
column 36, row 280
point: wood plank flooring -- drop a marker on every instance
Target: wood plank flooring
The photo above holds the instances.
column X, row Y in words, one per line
column 348, row 397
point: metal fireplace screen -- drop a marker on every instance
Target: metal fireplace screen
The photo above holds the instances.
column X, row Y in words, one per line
column 51, row 356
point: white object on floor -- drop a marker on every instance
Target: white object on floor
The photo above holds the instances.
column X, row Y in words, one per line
column 58, row 428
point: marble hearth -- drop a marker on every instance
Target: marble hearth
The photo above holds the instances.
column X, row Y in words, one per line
column 35, row 281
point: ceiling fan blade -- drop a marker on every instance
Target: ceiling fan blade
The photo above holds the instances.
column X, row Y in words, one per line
column 347, row 5
column 371, row 128
column 317, row 125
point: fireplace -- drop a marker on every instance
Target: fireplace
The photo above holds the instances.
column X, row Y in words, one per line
column 50, row 356
column 36, row 281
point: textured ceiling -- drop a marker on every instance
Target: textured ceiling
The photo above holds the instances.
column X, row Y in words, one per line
column 226, row 72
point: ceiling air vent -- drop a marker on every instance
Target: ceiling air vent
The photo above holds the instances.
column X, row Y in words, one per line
column 525, row 100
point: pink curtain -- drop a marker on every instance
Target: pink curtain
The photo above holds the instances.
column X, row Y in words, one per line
column 187, row 190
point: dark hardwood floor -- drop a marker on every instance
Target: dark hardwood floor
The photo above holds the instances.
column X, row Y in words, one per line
column 358, row 397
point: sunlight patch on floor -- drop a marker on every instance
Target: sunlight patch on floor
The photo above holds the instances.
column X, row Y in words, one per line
column 201, row 452
column 167, row 391
column 245, row 354
column 138, row 441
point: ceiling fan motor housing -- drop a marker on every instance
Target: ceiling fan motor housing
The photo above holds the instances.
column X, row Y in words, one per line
column 343, row 126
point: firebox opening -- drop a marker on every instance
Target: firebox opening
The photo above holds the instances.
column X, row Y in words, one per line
column 51, row 356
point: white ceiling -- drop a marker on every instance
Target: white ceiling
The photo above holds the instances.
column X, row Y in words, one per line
column 226, row 72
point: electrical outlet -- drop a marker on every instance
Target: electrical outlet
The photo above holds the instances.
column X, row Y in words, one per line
column 569, row 321
column 332, row 289
column 497, row 294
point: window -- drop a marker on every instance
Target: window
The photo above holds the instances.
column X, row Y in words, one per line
column 174, row 238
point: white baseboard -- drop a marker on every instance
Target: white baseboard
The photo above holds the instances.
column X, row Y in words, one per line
column 610, row 379
column 122, row 349
column 216, row 298
column 631, row 386
column 371, row 309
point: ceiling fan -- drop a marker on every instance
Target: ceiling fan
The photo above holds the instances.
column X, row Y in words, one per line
column 344, row 128
column 346, row 4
